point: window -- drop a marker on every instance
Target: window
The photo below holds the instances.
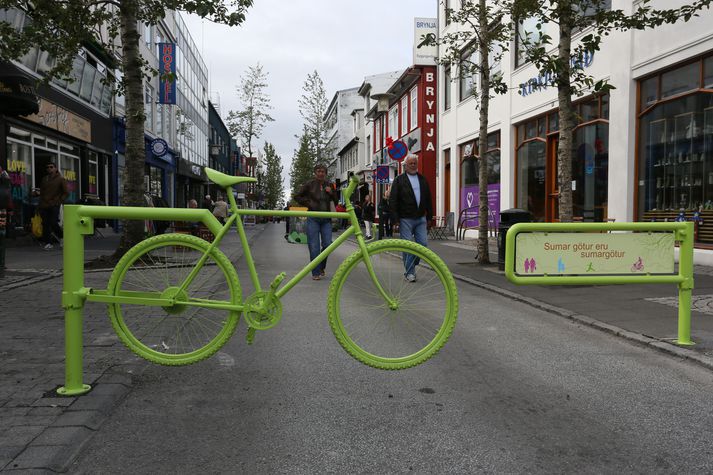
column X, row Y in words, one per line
column 468, row 63
column 148, row 107
column 377, row 134
column 404, row 115
column 447, row 88
column 148, row 35
column 159, row 119
column 708, row 73
column 414, row 107
column 393, row 130
column 591, row 8
column 680, row 80
column 527, row 35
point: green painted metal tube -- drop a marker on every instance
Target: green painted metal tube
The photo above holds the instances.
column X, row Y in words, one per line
column 73, row 303
column 685, row 288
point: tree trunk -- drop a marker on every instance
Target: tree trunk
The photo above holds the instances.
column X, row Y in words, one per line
column 567, row 121
column 483, row 48
column 133, row 177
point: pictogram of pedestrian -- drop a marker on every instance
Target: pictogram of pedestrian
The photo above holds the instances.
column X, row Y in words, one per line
column 590, row 268
column 560, row 265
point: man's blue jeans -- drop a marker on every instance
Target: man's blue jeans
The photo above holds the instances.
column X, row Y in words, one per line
column 413, row 229
column 318, row 228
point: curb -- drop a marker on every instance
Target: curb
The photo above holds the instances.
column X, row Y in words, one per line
column 659, row 345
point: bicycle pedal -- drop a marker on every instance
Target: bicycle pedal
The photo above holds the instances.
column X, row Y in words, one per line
column 250, row 335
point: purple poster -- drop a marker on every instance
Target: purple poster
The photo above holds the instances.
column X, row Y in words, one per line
column 469, row 201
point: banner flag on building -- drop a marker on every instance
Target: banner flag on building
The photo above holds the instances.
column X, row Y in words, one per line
column 167, row 77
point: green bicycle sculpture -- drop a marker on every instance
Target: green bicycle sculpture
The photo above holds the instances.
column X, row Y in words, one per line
column 176, row 299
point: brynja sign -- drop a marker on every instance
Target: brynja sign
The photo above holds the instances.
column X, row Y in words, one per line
column 429, row 122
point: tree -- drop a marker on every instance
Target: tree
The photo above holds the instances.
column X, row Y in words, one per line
column 312, row 107
column 486, row 34
column 273, row 177
column 73, row 23
column 248, row 123
column 303, row 163
column 563, row 65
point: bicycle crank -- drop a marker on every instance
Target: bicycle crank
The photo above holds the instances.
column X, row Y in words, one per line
column 263, row 310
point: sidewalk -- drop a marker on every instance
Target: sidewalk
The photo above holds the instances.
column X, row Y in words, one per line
column 647, row 314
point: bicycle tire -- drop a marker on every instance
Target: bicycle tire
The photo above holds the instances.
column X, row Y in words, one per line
column 180, row 334
column 377, row 335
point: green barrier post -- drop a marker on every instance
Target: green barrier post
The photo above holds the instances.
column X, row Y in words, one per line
column 72, row 300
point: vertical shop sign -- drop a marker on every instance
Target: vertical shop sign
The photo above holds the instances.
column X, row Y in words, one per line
column 167, row 79
column 429, row 126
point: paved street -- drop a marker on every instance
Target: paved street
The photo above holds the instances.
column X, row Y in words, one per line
column 516, row 389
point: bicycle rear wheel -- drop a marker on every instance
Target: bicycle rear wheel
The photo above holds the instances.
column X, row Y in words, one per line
column 181, row 333
column 422, row 319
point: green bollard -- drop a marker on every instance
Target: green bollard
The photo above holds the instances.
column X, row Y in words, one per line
column 685, row 288
column 73, row 300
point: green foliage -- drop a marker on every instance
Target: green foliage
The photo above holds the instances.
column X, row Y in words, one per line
column 303, row 163
column 312, row 106
column 247, row 124
column 272, row 182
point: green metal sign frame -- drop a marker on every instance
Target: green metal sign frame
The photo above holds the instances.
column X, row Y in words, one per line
column 683, row 233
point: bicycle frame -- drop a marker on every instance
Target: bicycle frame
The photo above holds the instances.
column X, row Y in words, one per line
column 79, row 221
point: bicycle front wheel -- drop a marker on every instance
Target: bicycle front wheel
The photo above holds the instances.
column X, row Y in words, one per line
column 415, row 327
column 188, row 330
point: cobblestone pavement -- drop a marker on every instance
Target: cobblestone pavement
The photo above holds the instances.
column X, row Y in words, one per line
column 40, row 431
column 699, row 303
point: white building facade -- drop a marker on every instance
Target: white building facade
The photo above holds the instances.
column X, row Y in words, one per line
column 643, row 152
column 339, row 123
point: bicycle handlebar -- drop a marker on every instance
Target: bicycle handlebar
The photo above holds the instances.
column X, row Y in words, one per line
column 353, row 182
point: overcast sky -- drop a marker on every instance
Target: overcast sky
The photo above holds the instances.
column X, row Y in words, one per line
column 344, row 40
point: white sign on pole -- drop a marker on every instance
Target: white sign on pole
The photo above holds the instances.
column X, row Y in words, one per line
column 425, row 55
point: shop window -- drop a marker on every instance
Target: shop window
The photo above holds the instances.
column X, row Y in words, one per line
column 92, row 174
column 531, row 178
column 649, row 92
column 469, row 171
column 553, row 122
column 605, row 107
column 708, row 73
column 676, row 158
column 19, row 167
column 590, row 172
column 69, row 167
column 680, row 80
column 589, row 111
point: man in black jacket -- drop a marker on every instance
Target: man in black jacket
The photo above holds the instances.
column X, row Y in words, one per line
column 411, row 207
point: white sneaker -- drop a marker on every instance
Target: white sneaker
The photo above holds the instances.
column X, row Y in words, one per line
column 48, row 247
column 411, row 277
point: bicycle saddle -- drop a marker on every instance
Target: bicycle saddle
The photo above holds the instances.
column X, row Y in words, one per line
column 226, row 180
